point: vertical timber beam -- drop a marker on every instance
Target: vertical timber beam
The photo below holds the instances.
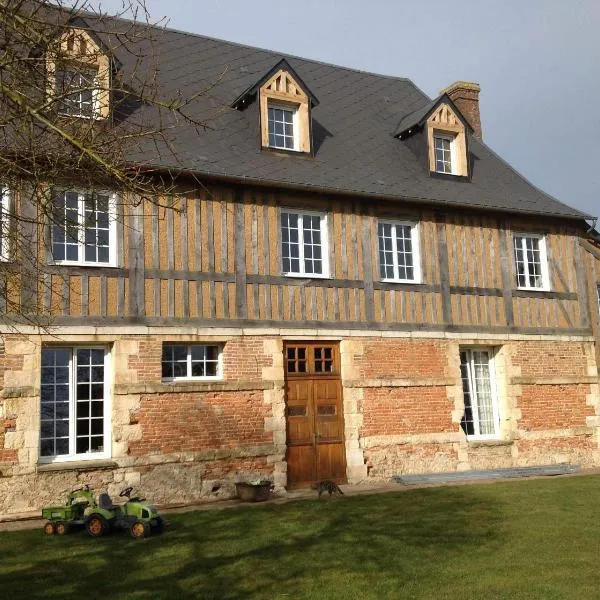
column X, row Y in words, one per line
column 240, row 256
column 509, row 313
column 28, row 254
column 582, row 292
column 136, row 260
column 366, row 222
column 444, row 268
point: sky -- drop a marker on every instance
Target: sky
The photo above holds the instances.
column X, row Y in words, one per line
column 537, row 61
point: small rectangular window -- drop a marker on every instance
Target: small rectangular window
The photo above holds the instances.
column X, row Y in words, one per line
column 73, row 396
column 304, row 244
column 191, row 361
column 531, row 262
column 398, row 252
column 83, row 228
column 76, row 91
column 480, row 419
column 282, row 127
column 443, row 148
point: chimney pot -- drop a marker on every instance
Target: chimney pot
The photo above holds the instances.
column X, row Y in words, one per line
column 465, row 95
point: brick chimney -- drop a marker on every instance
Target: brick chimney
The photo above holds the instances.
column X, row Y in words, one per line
column 466, row 97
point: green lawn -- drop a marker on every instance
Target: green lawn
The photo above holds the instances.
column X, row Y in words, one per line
column 525, row 539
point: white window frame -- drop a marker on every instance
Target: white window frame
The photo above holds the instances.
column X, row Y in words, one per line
column 95, row 95
column 494, row 392
column 189, row 377
column 543, row 262
column 294, row 110
column 112, row 232
column 416, row 251
column 107, row 411
column 453, row 158
column 5, row 223
column 324, row 243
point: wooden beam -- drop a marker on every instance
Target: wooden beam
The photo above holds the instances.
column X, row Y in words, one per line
column 444, row 269
column 241, row 306
column 136, row 260
column 509, row 313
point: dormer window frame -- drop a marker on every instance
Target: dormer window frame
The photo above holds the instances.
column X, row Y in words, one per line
column 444, row 123
column 282, row 89
column 290, row 108
column 75, row 51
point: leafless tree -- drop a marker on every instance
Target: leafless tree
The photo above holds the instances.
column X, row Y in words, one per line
column 81, row 106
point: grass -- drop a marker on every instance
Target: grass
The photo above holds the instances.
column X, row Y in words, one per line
column 527, row 539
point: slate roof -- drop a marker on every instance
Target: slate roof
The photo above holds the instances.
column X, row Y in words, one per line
column 353, row 130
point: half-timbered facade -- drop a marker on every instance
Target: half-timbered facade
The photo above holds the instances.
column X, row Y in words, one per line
column 358, row 289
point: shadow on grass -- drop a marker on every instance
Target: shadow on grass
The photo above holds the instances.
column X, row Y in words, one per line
column 292, row 550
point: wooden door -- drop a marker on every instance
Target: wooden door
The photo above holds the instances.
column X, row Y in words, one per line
column 314, row 412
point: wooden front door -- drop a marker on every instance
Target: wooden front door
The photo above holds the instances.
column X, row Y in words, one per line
column 314, row 413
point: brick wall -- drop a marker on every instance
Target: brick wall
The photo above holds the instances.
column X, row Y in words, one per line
column 193, row 422
column 393, row 411
column 549, row 359
column 554, row 406
column 396, row 358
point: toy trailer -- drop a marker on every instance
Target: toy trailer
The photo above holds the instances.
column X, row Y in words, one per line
column 61, row 518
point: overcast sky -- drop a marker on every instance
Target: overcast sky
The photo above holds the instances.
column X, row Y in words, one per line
column 537, row 61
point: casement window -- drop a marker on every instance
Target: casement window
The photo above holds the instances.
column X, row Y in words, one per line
column 75, row 407
column 480, row 420
column 398, row 252
column 191, row 361
column 445, row 160
column 304, row 244
column 283, row 127
column 4, row 224
column 531, row 262
column 84, row 228
column 77, row 91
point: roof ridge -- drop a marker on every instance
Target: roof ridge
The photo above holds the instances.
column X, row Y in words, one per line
column 83, row 14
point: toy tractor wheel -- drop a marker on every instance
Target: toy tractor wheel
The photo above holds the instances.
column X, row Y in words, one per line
column 49, row 528
column 96, row 525
column 62, row 528
column 139, row 529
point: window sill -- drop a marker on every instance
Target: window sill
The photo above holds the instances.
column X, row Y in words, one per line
column 73, row 263
column 476, row 443
column 76, row 465
column 306, row 276
column 404, row 281
column 534, row 290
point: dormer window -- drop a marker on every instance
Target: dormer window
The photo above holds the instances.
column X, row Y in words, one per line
column 282, row 127
column 446, row 137
column 78, row 76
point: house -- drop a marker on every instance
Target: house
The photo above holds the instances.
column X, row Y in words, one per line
column 347, row 283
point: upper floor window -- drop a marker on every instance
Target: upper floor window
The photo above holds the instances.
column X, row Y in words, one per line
column 531, row 262
column 191, row 361
column 398, row 252
column 282, row 127
column 4, row 224
column 79, row 75
column 304, row 244
column 444, row 145
column 84, row 228
column 447, row 141
column 76, row 90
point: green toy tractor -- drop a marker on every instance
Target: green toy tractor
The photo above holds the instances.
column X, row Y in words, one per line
column 101, row 517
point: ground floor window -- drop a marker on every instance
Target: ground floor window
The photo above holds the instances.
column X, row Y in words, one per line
column 74, row 411
column 479, row 390
column 191, row 361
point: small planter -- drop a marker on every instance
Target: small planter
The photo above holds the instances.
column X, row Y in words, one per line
column 254, row 492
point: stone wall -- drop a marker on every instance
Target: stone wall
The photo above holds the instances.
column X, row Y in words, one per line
column 188, row 442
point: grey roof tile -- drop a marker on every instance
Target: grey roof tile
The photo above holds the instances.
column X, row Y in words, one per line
column 354, row 126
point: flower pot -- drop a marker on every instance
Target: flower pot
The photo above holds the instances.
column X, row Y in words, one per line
column 253, row 492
